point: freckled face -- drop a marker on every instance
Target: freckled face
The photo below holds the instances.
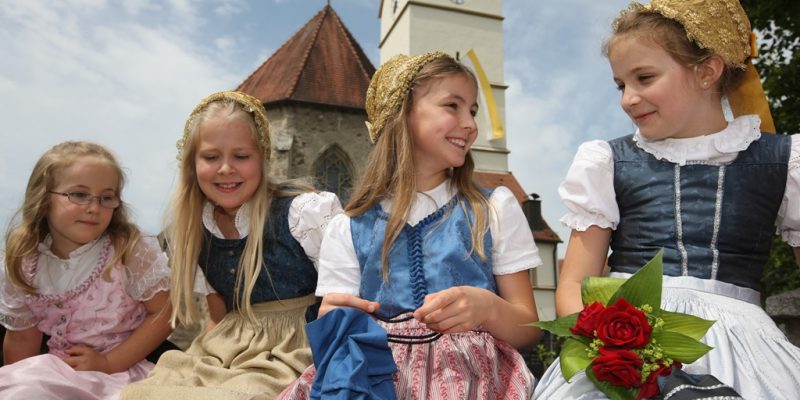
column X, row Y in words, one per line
column 228, row 163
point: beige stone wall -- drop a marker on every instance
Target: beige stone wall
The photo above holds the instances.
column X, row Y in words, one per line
column 301, row 133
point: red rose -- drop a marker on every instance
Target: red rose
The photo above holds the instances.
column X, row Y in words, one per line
column 587, row 320
column 618, row 367
column 623, row 326
column 650, row 387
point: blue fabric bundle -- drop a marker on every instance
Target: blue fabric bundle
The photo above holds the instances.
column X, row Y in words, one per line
column 352, row 357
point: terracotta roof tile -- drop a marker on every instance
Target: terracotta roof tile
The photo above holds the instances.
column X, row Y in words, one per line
column 491, row 180
column 321, row 63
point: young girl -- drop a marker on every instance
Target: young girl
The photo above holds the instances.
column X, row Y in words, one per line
column 78, row 271
column 707, row 190
column 442, row 264
column 251, row 245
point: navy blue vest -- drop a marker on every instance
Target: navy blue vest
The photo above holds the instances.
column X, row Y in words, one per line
column 713, row 221
column 287, row 273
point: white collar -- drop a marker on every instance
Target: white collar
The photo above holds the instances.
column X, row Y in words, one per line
column 426, row 202
column 241, row 221
column 46, row 244
column 722, row 146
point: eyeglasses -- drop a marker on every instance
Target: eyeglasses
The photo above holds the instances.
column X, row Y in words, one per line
column 83, row 198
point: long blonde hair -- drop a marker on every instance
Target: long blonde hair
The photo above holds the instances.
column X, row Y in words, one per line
column 184, row 226
column 29, row 225
column 389, row 172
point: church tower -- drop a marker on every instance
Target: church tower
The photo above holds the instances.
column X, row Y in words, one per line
column 456, row 26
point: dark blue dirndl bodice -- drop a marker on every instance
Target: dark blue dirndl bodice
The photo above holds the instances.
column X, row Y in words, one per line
column 287, row 272
column 433, row 255
column 713, row 221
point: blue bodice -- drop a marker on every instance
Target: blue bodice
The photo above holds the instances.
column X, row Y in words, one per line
column 431, row 256
column 713, row 221
column 287, row 273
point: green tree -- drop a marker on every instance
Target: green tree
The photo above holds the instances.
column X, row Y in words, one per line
column 778, row 25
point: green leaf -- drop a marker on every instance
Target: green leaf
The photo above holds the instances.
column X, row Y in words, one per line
column 613, row 392
column 680, row 347
column 644, row 287
column 559, row 327
column 574, row 358
column 689, row 325
column 599, row 289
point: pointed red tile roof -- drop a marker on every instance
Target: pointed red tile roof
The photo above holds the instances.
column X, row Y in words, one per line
column 322, row 63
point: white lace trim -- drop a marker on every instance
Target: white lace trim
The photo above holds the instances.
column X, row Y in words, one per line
column 241, row 221
column 582, row 221
column 721, row 146
column 147, row 270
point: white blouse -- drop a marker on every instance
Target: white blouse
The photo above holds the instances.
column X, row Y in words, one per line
column 309, row 215
column 588, row 189
column 513, row 247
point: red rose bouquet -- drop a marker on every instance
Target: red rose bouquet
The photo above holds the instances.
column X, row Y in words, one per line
column 623, row 339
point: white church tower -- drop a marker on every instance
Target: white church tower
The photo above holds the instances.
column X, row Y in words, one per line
column 456, row 26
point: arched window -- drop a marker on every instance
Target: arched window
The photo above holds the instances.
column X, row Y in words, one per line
column 333, row 172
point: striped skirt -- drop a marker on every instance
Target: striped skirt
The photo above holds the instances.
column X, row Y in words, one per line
column 469, row 365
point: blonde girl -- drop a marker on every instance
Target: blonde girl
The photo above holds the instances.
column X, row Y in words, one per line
column 76, row 269
column 441, row 263
column 707, row 190
column 250, row 245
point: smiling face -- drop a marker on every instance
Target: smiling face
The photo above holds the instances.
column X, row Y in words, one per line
column 442, row 125
column 662, row 97
column 73, row 225
column 227, row 162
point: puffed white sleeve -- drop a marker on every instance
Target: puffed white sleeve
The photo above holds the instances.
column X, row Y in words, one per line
column 339, row 271
column 309, row 215
column 146, row 269
column 14, row 313
column 588, row 189
column 513, row 247
column 788, row 222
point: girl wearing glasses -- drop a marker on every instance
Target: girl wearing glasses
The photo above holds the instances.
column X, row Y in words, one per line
column 76, row 269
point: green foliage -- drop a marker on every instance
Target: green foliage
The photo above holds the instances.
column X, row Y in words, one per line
column 559, row 327
column 546, row 357
column 778, row 63
column 689, row 325
column 781, row 273
column 778, row 25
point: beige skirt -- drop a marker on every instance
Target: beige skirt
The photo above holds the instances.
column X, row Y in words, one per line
column 236, row 359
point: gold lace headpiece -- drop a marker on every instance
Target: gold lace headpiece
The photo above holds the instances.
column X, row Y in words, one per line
column 390, row 86
column 249, row 104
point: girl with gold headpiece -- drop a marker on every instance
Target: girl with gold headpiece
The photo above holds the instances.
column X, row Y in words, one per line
column 440, row 263
column 706, row 189
column 250, row 245
column 78, row 270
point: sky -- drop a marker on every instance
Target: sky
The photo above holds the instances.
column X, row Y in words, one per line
column 126, row 73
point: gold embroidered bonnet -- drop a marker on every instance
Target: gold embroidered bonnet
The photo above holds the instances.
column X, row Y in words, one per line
column 249, row 104
column 389, row 87
column 720, row 26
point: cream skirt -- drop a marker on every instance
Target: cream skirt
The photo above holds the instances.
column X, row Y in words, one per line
column 235, row 360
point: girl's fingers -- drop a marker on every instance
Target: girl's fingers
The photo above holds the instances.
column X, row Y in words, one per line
column 333, row 300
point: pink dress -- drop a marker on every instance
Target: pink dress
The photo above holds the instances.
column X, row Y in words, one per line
column 97, row 312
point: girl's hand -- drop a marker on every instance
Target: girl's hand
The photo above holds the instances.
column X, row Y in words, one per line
column 334, row 300
column 457, row 309
column 83, row 358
